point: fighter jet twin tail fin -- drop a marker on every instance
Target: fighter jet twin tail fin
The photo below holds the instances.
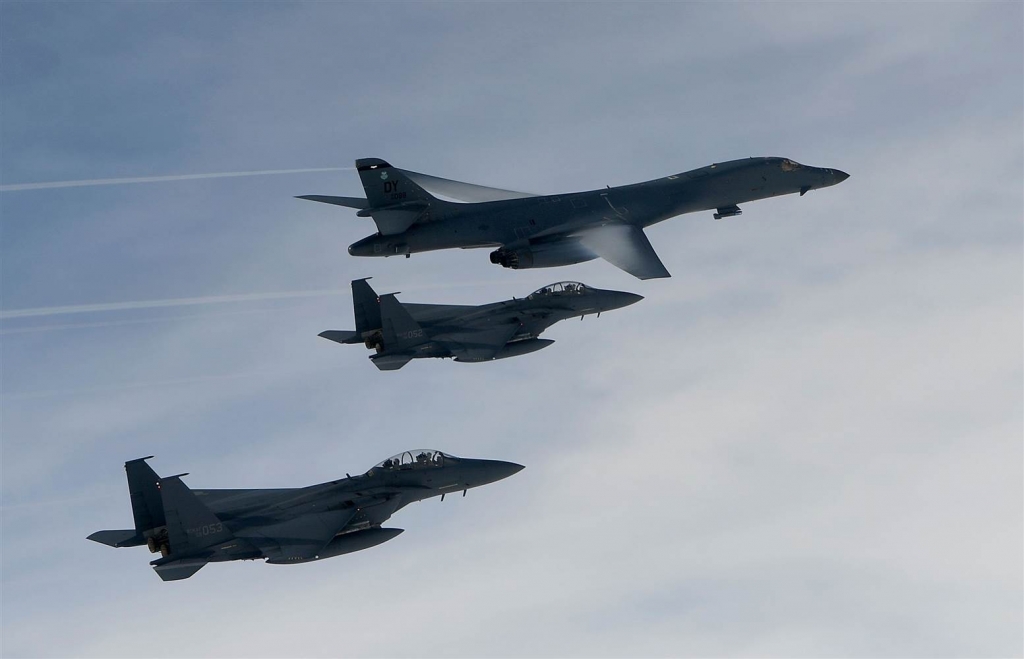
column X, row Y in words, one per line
column 400, row 333
column 166, row 505
column 191, row 528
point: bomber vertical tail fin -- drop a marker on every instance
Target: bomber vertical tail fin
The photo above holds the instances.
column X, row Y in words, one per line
column 395, row 201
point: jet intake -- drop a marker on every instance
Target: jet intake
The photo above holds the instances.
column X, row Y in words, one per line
column 544, row 255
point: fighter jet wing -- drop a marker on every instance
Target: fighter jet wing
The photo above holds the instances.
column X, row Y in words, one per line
column 479, row 345
column 625, row 246
column 299, row 538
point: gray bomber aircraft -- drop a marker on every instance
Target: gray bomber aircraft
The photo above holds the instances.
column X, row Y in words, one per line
column 541, row 231
column 191, row 528
column 402, row 332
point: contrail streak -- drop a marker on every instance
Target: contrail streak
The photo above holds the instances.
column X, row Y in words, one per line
column 174, row 302
column 210, row 299
column 14, row 187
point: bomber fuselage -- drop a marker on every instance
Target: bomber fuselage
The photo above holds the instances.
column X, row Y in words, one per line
column 520, row 221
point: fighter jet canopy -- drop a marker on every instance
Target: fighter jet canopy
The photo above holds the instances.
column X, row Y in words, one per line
column 416, row 459
column 561, row 288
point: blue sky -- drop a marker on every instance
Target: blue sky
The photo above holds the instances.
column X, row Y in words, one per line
column 807, row 442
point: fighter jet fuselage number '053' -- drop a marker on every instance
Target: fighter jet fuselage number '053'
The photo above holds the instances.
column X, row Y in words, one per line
column 208, row 529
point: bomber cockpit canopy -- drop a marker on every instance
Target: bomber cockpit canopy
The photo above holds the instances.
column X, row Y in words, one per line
column 788, row 165
column 417, row 459
column 561, row 288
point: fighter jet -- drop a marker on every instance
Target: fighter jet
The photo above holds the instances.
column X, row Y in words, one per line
column 191, row 528
column 542, row 231
column 402, row 332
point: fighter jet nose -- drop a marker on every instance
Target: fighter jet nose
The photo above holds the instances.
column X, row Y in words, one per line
column 351, row 252
column 496, row 470
column 619, row 299
column 840, row 175
column 507, row 469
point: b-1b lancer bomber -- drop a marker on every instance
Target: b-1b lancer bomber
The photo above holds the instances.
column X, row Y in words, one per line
column 542, row 231
column 402, row 332
column 191, row 528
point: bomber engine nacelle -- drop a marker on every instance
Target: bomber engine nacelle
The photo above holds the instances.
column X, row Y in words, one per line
column 544, row 255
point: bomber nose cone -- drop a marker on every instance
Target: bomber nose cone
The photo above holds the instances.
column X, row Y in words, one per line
column 840, row 175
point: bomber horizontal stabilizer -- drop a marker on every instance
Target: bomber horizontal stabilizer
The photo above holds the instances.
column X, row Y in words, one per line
column 350, row 202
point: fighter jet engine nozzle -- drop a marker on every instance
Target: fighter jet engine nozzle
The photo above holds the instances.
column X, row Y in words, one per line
column 544, row 255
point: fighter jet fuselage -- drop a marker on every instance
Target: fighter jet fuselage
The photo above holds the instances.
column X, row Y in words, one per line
column 554, row 230
column 400, row 332
column 191, row 528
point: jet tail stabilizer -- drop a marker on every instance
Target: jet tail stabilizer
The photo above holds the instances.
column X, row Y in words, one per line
column 395, row 201
column 350, row 202
column 191, row 526
column 177, row 569
column 118, row 538
column 147, row 506
column 390, row 362
column 400, row 329
column 342, row 336
column 365, row 306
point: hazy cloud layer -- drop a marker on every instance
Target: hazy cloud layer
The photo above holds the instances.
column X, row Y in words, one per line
column 807, row 442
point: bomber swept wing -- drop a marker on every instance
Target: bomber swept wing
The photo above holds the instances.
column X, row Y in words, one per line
column 626, row 247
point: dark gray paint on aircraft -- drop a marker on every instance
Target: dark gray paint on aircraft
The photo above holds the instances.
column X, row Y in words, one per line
column 539, row 231
column 402, row 332
column 191, row 528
